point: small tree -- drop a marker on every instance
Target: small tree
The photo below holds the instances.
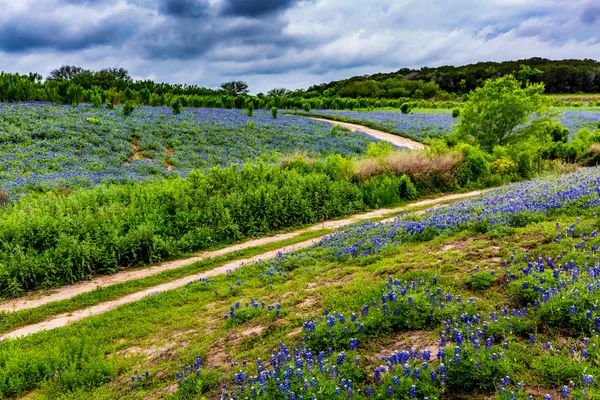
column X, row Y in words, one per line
column 278, row 92
column 67, row 72
column 274, row 112
column 235, row 88
column 128, row 108
column 501, row 112
column 74, row 94
column 176, row 106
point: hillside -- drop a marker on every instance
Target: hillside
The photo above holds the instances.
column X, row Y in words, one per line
column 559, row 76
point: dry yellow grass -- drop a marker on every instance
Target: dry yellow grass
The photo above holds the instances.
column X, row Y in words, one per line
column 420, row 166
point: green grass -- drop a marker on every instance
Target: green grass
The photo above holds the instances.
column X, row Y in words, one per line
column 162, row 332
column 12, row 320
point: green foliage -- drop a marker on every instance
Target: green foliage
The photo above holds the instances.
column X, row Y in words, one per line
column 274, row 112
column 235, row 88
column 149, row 222
column 74, row 94
column 455, row 113
column 250, row 109
column 475, row 166
column 306, row 106
column 500, row 112
column 405, row 108
column 379, row 149
column 388, row 189
column 96, row 99
column 128, row 108
column 176, row 106
column 481, row 280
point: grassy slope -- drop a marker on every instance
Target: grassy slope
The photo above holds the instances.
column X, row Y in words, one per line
column 172, row 328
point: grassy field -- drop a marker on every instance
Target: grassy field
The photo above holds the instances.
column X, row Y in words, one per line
column 482, row 290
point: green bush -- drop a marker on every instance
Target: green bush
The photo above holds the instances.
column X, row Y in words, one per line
column 128, row 108
column 525, row 167
column 481, row 280
column 475, row 167
column 274, row 112
column 455, row 113
column 250, row 109
column 405, row 108
column 177, row 106
column 41, row 246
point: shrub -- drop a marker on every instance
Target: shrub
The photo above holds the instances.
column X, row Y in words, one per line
column 475, row 166
column 250, row 109
column 406, row 188
column 176, row 106
column 503, row 166
column 96, row 100
column 525, row 167
column 306, row 106
column 481, row 280
column 274, row 112
column 128, row 108
column 405, row 108
column 455, row 113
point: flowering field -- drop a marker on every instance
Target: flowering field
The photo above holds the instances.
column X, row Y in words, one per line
column 426, row 125
column 493, row 297
column 47, row 147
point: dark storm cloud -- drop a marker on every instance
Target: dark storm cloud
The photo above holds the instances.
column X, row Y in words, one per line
column 187, row 40
column 18, row 36
column 255, row 8
column 184, row 8
column 271, row 42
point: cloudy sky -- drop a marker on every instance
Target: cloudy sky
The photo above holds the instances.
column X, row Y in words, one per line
column 288, row 43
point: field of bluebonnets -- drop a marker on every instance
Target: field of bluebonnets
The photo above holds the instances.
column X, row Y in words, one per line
column 493, row 297
column 45, row 147
column 423, row 124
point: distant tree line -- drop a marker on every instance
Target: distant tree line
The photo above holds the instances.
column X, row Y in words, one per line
column 112, row 86
column 563, row 76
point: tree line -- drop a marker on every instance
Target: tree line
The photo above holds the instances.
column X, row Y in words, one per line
column 112, row 86
column 558, row 76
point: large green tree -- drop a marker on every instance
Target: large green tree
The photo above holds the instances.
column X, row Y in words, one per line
column 502, row 112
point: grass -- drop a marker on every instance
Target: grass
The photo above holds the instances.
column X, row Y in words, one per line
column 13, row 320
column 172, row 328
column 10, row 321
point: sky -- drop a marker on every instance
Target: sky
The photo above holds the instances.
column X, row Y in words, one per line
column 287, row 43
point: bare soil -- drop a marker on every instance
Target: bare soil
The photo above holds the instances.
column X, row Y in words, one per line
column 386, row 137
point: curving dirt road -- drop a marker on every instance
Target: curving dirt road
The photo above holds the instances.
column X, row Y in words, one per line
column 83, row 287
column 387, row 137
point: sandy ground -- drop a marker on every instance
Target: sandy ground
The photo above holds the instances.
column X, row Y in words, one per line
column 387, row 137
column 66, row 292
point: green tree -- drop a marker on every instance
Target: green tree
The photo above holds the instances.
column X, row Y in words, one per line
column 177, row 106
column 525, row 73
column 501, row 112
column 235, row 88
column 278, row 92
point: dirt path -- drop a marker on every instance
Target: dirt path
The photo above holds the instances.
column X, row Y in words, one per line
column 83, row 287
column 66, row 292
column 387, row 137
